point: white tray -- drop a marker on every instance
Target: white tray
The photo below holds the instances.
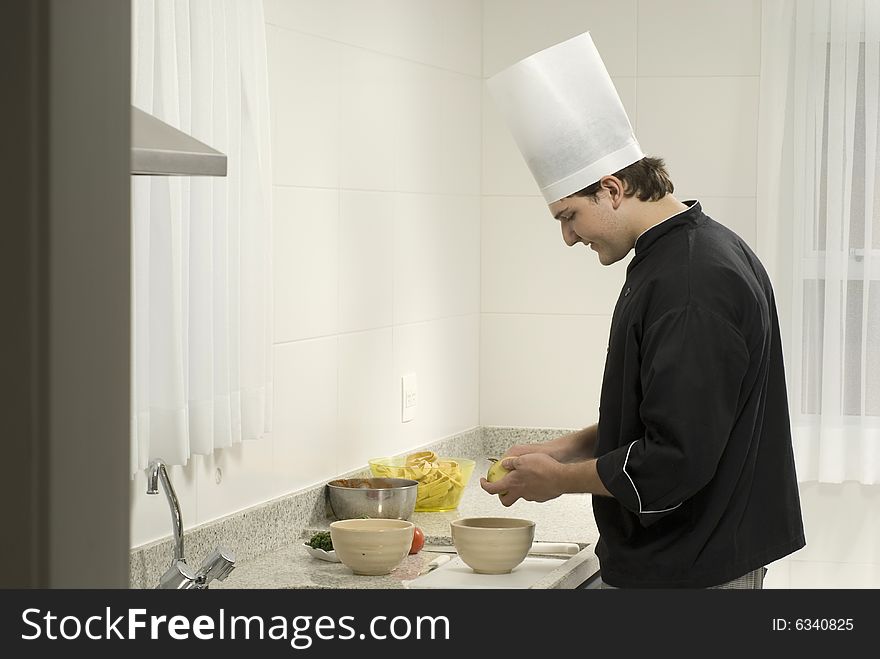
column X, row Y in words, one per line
column 456, row 574
column 329, row 556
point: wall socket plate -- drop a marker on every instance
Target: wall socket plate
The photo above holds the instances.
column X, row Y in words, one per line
column 409, row 397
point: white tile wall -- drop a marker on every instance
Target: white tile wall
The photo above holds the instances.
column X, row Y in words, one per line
column 418, row 121
column 234, row 478
column 436, row 256
column 541, row 370
column 460, row 147
column 527, row 268
column 504, row 170
column 368, row 412
column 438, row 131
column 318, row 18
column 306, row 439
column 699, row 38
column 366, row 230
column 304, row 95
column 705, row 128
column 305, row 259
column 445, row 356
column 369, row 110
column 513, row 29
column 444, row 34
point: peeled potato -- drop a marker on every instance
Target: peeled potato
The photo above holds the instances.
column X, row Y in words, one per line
column 496, row 473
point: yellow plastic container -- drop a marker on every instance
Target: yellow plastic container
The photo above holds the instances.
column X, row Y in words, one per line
column 441, row 480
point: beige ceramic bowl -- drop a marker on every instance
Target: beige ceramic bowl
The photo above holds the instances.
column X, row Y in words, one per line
column 371, row 546
column 492, row 545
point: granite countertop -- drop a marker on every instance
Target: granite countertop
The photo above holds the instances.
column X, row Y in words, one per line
column 568, row 518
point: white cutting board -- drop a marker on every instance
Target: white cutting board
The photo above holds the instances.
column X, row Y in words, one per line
column 456, row 574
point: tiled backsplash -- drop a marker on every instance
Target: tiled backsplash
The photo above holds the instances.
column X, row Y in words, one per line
column 280, row 522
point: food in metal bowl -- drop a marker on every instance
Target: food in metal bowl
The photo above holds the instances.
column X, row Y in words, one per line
column 388, row 498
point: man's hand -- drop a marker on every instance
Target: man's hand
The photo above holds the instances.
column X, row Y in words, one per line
column 523, row 449
column 533, row 477
column 571, row 447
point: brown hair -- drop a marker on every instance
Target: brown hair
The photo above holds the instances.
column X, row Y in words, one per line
column 646, row 178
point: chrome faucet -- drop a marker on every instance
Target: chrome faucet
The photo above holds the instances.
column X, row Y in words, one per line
column 179, row 575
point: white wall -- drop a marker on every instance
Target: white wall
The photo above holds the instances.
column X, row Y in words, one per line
column 376, row 111
column 687, row 72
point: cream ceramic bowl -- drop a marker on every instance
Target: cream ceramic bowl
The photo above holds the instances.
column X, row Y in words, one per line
column 492, row 545
column 371, row 546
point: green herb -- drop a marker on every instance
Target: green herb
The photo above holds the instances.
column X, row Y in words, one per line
column 321, row 540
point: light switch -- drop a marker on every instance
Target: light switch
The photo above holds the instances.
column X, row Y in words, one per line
column 408, row 397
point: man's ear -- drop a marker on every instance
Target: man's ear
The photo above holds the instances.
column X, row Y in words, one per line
column 614, row 188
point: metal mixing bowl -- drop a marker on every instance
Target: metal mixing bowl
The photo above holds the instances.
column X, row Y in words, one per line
column 389, row 498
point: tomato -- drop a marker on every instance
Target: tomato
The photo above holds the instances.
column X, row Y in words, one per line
column 418, row 541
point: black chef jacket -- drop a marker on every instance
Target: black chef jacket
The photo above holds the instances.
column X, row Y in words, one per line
column 694, row 436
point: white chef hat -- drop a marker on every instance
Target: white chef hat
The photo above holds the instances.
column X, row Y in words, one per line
column 566, row 117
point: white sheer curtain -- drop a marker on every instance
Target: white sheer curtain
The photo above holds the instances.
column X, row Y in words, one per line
column 819, row 224
column 202, row 271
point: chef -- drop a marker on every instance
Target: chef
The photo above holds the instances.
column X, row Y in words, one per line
column 690, row 465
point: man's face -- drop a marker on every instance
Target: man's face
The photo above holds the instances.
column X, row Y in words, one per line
column 594, row 223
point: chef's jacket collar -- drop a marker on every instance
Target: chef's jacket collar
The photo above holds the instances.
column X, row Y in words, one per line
column 652, row 234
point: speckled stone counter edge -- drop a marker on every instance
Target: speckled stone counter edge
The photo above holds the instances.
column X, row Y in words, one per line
column 280, row 522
